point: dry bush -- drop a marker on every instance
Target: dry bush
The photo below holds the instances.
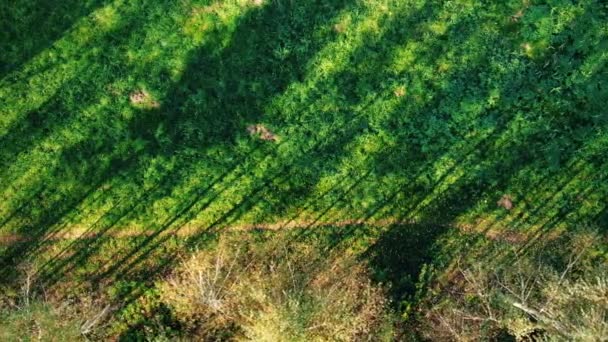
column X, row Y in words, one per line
column 528, row 300
column 28, row 312
column 275, row 291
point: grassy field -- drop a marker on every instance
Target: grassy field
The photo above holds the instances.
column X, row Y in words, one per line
column 408, row 132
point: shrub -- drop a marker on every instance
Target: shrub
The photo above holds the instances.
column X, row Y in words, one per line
column 529, row 299
column 276, row 292
column 29, row 312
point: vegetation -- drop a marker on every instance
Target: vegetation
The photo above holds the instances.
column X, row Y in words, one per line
column 408, row 160
column 293, row 292
column 529, row 299
column 38, row 322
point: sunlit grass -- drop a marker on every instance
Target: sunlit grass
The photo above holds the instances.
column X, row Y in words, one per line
column 403, row 96
column 135, row 117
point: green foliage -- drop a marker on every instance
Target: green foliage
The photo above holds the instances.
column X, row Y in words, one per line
column 125, row 123
column 39, row 322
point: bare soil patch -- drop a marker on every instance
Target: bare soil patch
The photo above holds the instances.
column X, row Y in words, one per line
column 143, row 99
column 77, row 232
column 505, row 202
column 399, row 91
column 262, row 132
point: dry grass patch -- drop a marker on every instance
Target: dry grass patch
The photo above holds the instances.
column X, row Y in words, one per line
column 277, row 292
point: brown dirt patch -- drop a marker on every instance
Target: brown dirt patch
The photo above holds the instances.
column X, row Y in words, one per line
column 399, row 92
column 262, row 132
column 511, row 237
column 212, row 8
column 505, row 202
column 517, row 16
column 79, row 232
column 340, row 28
column 142, row 98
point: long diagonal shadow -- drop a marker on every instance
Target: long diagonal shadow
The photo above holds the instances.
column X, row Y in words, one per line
column 24, row 36
column 204, row 112
column 219, row 121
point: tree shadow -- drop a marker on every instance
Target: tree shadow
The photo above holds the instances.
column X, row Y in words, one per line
column 203, row 112
column 398, row 257
column 447, row 149
column 29, row 27
column 480, row 167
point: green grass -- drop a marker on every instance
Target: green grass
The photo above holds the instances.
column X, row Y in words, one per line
column 38, row 322
column 407, row 110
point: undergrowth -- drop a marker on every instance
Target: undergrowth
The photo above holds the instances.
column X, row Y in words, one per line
column 134, row 132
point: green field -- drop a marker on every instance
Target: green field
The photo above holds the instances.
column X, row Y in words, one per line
column 412, row 134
